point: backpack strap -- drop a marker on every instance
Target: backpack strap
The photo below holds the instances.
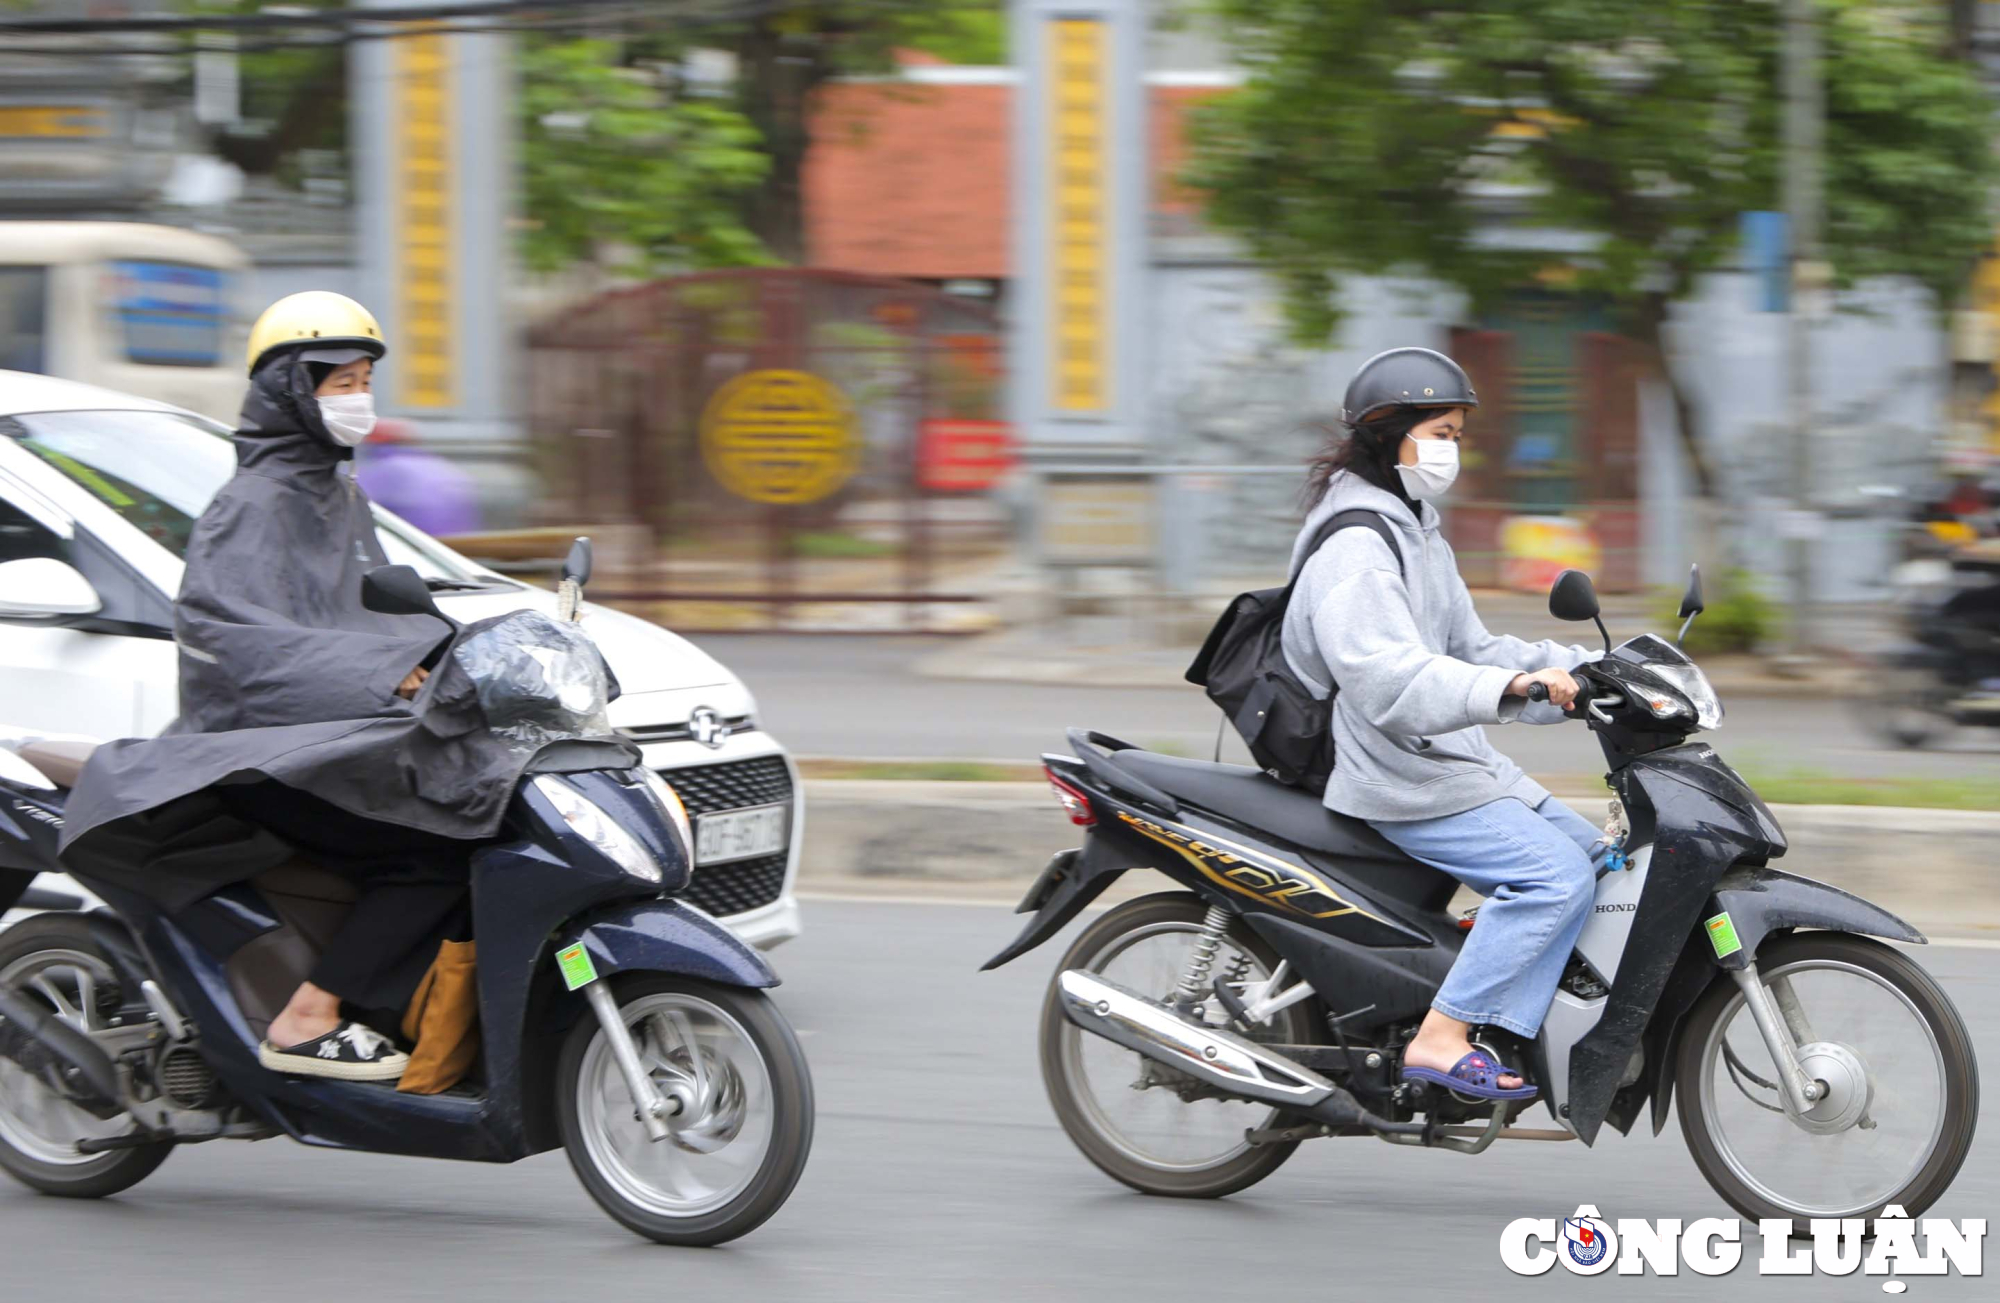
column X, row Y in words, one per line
column 1353, row 517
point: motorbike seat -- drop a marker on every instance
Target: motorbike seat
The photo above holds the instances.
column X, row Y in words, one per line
column 1248, row 796
column 60, row 760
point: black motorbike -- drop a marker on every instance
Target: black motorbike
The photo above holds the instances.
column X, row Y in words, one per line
column 1192, row 1039
column 627, row 1027
column 1944, row 670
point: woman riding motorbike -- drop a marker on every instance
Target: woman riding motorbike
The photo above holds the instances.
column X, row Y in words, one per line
column 275, row 644
column 1418, row 676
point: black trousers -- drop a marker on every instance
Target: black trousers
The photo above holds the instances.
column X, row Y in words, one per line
column 415, row 892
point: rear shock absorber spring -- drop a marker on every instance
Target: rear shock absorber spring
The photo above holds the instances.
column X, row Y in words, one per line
column 1194, row 981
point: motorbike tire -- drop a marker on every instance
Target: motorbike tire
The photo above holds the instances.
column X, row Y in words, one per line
column 1295, row 1025
column 84, row 1177
column 1961, row 1069
column 1903, row 717
column 791, row 1090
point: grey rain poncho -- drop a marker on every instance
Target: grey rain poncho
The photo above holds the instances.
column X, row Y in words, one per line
column 284, row 675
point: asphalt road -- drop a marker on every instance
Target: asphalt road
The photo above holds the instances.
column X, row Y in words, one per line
column 859, row 696
column 938, row 1174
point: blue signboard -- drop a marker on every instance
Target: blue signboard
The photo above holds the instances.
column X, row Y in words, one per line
column 172, row 314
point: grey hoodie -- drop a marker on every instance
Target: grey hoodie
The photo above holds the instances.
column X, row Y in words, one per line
column 1418, row 673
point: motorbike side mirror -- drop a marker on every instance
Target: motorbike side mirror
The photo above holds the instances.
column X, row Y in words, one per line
column 575, row 574
column 1573, row 598
column 1691, row 604
column 576, row 566
column 397, row 590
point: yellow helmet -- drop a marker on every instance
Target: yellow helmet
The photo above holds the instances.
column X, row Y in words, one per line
column 331, row 325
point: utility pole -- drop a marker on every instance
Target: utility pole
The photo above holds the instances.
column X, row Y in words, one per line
column 1805, row 122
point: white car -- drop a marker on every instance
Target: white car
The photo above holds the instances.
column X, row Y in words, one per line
column 109, row 485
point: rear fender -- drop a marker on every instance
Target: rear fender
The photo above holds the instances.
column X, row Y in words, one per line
column 667, row 936
column 1072, row 880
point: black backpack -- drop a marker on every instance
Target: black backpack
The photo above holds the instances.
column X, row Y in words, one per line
column 1242, row 666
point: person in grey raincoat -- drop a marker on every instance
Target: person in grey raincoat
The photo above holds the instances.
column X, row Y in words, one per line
column 309, row 725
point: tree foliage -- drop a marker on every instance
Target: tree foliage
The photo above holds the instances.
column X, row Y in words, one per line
column 1402, row 135
column 614, row 163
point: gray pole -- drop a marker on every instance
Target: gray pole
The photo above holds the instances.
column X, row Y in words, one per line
column 1804, row 130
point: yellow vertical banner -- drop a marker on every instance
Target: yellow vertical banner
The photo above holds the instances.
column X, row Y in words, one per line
column 1077, row 96
column 424, row 221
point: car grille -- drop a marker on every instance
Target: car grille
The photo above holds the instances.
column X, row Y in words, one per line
column 732, row 785
column 742, row 885
column 735, row 888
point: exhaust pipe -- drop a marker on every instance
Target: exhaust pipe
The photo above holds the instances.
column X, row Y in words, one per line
column 1220, row 1058
column 35, row 1038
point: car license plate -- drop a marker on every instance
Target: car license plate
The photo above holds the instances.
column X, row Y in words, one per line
column 741, row 834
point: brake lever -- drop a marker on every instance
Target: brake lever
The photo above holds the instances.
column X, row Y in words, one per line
column 1597, row 703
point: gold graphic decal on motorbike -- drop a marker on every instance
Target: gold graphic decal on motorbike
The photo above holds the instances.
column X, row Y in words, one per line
column 1243, row 871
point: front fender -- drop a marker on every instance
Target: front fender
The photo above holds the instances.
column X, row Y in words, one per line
column 1761, row 900
column 666, row 936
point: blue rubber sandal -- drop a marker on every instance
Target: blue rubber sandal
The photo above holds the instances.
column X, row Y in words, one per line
column 1475, row 1074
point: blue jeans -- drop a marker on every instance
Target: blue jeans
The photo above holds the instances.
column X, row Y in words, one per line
column 1536, row 867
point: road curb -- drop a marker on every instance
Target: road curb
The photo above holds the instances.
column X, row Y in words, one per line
column 1929, row 866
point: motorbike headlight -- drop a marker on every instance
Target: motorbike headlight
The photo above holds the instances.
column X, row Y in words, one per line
column 1697, row 696
column 603, row 832
column 671, row 806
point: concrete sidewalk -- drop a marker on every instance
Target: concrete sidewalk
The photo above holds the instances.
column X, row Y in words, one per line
column 989, row 840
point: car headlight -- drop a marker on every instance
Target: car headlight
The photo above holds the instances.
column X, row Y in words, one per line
column 1697, row 695
column 672, row 807
column 603, row 832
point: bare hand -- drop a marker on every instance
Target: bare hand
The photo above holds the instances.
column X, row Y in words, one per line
column 1562, row 688
column 414, row 680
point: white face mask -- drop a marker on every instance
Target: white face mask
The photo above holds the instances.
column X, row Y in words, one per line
column 349, row 417
column 1436, row 468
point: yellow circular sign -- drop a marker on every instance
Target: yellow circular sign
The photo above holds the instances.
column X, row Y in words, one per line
column 779, row 436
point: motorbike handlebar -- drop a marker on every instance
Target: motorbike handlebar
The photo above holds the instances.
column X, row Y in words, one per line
column 1538, row 691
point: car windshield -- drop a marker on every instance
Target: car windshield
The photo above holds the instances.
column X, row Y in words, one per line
column 159, row 470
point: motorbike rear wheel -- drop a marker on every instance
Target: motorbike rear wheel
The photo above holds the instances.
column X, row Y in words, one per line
column 53, row 960
column 1160, row 1144
column 1903, row 1085
column 734, row 1158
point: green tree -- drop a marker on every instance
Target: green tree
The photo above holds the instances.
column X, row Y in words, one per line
column 612, row 162
column 784, row 56
column 1388, row 135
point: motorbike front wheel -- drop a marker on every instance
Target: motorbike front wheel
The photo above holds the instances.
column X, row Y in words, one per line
column 735, row 1153
column 1883, row 1039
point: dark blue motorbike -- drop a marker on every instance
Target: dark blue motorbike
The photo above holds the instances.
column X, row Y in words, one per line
column 627, row 1027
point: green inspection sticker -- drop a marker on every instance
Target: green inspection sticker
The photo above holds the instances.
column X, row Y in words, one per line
column 1722, row 935
column 577, row 970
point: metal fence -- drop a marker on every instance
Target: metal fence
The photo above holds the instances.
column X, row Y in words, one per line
column 776, row 447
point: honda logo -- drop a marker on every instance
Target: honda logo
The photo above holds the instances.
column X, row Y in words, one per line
column 707, row 726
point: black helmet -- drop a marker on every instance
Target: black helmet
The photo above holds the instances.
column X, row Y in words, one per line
column 1406, row 377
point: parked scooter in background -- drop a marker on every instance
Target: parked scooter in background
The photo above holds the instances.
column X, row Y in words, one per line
column 1944, row 672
